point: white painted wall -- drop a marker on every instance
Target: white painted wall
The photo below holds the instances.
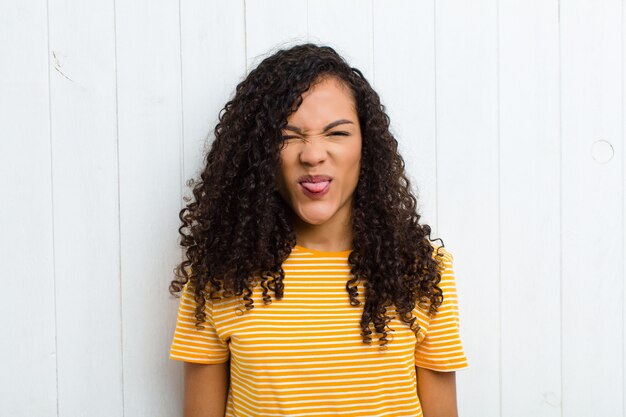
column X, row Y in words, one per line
column 510, row 116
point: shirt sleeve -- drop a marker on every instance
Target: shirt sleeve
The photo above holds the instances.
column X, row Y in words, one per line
column 192, row 345
column 441, row 348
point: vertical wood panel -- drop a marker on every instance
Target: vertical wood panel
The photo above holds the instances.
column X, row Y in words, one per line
column 530, row 206
column 592, row 194
column 345, row 25
column 27, row 346
column 273, row 25
column 150, row 141
column 86, row 240
column 467, row 186
column 404, row 48
column 620, row 150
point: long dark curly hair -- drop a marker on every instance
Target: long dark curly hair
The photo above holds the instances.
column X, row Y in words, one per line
column 237, row 229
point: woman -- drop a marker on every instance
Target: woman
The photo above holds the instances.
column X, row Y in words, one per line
column 309, row 286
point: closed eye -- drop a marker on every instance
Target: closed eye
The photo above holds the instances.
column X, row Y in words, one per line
column 331, row 133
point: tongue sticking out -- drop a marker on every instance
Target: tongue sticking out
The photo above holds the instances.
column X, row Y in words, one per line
column 315, row 187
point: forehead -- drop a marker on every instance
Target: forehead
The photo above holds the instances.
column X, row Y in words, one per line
column 327, row 99
column 328, row 85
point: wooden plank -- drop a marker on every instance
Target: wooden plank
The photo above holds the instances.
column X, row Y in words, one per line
column 467, row 174
column 86, row 229
column 592, row 193
column 530, row 207
column 27, row 346
column 620, row 149
column 150, row 143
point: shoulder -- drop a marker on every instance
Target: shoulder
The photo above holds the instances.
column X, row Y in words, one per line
column 442, row 255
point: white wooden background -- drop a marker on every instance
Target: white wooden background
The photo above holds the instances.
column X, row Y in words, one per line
column 510, row 118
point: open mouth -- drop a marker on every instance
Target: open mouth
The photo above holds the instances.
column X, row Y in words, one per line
column 315, row 189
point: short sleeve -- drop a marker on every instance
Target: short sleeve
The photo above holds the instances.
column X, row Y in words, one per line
column 441, row 348
column 192, row 345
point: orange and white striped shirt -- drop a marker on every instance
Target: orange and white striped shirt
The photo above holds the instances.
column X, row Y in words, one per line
column 304, row 355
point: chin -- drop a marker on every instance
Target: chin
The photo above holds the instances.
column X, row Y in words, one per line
column 315, row 218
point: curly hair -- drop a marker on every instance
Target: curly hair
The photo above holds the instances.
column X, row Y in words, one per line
column 237, row 230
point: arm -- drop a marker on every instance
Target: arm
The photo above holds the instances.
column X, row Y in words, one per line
column 437, row 392
column 206, row 389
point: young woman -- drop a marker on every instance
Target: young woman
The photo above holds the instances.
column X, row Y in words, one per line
column 309, row 286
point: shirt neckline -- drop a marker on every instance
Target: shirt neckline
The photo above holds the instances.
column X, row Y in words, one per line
column 324, row 253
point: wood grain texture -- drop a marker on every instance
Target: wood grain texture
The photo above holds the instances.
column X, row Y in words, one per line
column 86, row 211
column 150, row 143
column 592, row 280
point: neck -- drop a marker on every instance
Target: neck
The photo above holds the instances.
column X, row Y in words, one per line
column 334, row 235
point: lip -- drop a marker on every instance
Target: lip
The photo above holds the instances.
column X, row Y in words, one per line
column 314, row 178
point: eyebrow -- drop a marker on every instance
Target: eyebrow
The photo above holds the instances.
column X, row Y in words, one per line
column 328, row 126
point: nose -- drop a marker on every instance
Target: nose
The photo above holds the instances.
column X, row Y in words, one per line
column 313, row 152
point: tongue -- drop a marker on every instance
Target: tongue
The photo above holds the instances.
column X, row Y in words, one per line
column 315, row 187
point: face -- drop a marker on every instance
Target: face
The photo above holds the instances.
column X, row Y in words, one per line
column 322, row 138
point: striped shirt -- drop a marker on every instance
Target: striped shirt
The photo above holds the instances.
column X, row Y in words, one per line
column 304, row 356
